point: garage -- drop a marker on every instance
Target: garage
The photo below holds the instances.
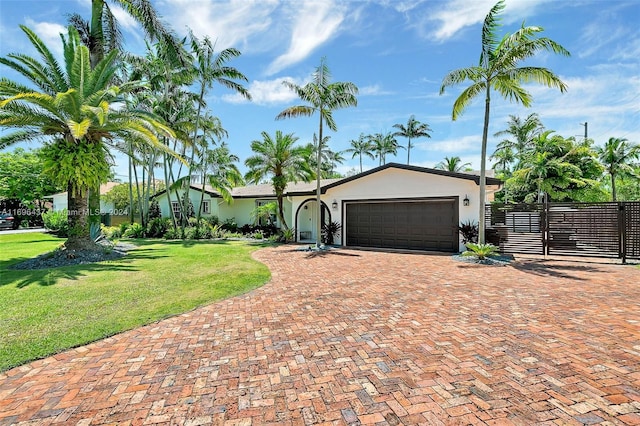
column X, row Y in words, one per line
column 414, row 224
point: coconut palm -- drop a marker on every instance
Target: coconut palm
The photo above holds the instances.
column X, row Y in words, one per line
column 452, row 164
column 384, row 144
column 414, row 129
column 322, row 97
column 69, row 108
column 498, row 70
column 280, row 160
column 617, row 156
column 522, row 132
column 361, row 146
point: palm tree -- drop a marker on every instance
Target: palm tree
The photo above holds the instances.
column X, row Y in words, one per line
column 384, row 144
column 617, row 155
column 453, row 164
column 69, row 107
column 361, row 146
column 330, row 158
column 101, row 34
column 523, row 133
column 413, row 129
column 209, row 69
column 279, row 159
column 323, row 97
column 498, row 69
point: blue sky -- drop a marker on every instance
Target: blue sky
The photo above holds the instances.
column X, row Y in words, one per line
column 397, row 53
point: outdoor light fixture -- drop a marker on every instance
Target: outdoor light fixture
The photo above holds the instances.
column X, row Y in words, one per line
column 465, row 202
column 306, row 207
column 334, row 205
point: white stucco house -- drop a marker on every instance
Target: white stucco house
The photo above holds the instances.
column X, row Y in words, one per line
column 60, row 200
column 392, row 206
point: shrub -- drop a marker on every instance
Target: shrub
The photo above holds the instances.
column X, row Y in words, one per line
column 56, row 222
column 154, row 210
column 287, row 235
column 258, row 235
column 469, row 232
column 157, row 227
column 330, row 231
column 217, row 231
column 123, row 227
column 134, row 231
column 111, row 231
column 172, row 234
column 481, row 251
column 212, row 220
column 230, row 225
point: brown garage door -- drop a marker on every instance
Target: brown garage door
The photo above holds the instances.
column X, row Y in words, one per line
column 416, row 225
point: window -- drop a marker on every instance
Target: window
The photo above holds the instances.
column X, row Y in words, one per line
column 206, row 207
column 175, row 206
column 273, row 217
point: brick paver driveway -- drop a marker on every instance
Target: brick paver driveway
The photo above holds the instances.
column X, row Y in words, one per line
column 355, row 337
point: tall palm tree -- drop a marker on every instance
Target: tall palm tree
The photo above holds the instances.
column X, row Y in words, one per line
column 413, row 129
column 617, row 156
column 523, row 133
column 209, row 69
column 452, row 164
column 383, row 144
column 498, row 69
column 322, row 97
column 280, row 160
column 69, row 107
column 361, row 146
column 330, row 158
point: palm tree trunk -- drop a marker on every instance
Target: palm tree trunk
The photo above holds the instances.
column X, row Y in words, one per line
column 318, row 172
column 130, row 185
column 78, row 220
column 360, row 162
column 408, row 151
column 613, row 186
column 168, row 192
column 281, row 210
column 483, row 167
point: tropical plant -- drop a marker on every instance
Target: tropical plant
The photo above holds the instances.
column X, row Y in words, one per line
column 523, row 133
column 57, row 222
column 322, row 97
column 280, row 160
column 469, row 231
column 453, row 164
column 383, row 145
column 361, row 146
column 617, row 156
column 330, row 231
column 287, row 235
column 414, row 129
column 480, row 250
column 562, row 168
column 264, row 213
column 498, row 69
column 209, row 69
column 70, row 109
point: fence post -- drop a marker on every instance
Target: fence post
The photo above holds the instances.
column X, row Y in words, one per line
column 622, row 232
column 544, row 219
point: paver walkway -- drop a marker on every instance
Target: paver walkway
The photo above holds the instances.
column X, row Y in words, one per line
column 356, row 337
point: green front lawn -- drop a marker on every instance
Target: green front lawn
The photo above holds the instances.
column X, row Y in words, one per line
column 46, row 311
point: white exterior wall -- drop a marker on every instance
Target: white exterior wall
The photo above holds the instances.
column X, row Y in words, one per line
column 60, row 202
column 195, row 196
column 398, row 183
column 242, row 207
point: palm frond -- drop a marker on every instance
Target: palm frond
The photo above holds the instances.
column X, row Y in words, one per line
column 296, row 111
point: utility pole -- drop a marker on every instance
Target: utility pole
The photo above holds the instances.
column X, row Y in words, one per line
column 585, row 124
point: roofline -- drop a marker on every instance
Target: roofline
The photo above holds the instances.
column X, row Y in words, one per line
column 458, row 175
column 192, row 186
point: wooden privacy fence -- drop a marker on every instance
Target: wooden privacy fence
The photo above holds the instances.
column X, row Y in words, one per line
column 569, row 229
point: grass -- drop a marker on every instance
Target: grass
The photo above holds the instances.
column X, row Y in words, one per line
column 50, row 310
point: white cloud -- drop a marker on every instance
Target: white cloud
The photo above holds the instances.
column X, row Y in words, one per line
column 372, row 90
column 461, row 144
column 267, row 92
column 460, row 14
column 230, row 23
column 49, row 33
column 315, row 22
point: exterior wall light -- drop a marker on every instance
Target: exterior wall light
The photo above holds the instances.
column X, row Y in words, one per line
column 465, row 202
column 334, row 205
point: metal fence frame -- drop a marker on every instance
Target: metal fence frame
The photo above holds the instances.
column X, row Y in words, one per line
column 566, row 229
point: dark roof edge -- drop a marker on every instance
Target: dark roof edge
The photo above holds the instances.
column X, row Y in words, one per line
column 197, row 188
column 458, row 175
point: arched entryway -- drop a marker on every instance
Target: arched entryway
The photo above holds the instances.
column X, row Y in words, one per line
column 306, row 219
